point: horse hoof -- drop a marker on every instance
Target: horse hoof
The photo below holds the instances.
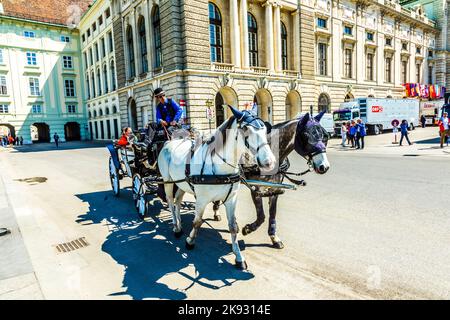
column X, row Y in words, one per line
column 178, row 234
column 217, row 218
column 241, row 265
column 246, row 230
column 278, row 245
column 189, row 246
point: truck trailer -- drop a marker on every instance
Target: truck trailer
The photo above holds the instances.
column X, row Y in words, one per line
column 378, row 114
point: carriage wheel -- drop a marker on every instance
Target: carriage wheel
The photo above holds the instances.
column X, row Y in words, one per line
column 139, row 191
column 114, row 177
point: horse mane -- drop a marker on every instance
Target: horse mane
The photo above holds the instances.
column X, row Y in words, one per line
column 220, row 135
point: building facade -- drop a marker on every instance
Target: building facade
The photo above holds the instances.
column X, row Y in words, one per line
column 285, row 56
column 437, row 10
column 41, row 92
column 99, row 71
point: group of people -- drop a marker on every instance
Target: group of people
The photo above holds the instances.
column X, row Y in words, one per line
column 9, row 140
column 353, row 132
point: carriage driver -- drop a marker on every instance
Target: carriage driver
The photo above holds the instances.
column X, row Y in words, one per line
column 168, row 112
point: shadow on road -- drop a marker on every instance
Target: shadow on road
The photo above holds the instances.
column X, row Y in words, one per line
column 41, row 147
column 149, row 251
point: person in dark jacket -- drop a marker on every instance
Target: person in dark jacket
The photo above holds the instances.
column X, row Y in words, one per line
column 56, row 138
column 21, row 140
column 360, row 134
column 351, row 133
column 404, row 132
column 423, row 121
column 168, row 112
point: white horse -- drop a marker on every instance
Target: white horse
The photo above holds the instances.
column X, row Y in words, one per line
column 219, row 157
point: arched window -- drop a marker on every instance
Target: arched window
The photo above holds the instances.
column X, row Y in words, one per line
column 324, row 103
column 93, row 84
column 132, row 67
column 90, row 115
column 88, row 87
column 105, row 79
column 157, row 37
column 284, row 47
column 114, row 108
column 107, row 111
column 113, row 76
column 215, row 33
column 100, row 112
column 143, row 44
column 95, row 113
column 252, row 40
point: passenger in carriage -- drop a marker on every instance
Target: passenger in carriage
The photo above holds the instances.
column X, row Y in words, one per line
column 126, row 137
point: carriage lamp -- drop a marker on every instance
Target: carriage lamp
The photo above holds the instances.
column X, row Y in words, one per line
column 4, row 232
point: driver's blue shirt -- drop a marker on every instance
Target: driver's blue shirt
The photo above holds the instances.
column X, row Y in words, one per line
column 165, row 107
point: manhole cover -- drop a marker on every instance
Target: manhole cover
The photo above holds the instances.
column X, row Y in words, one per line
column 33, row 180
column 72, row 245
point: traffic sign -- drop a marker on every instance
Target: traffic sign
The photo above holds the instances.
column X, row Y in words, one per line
column 395, row 123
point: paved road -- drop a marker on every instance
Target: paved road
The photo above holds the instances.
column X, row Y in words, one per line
column 375, row 226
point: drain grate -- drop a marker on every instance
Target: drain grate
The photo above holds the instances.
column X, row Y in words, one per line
column 72, row 245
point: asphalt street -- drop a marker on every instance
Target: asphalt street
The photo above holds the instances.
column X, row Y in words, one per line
column 375, row 226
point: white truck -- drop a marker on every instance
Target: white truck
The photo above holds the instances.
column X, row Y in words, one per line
column 377, row 114
column 430, row 109
column 326, row 122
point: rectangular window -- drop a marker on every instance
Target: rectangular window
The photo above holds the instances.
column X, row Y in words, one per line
column 369, row 36
column 4, row 108
column 369, row 67
column 322, row 55
column 71, row 108
column 348, row 30
column 3, row 87
column 69, row 88
column 418, row 72
column 430, row 53
column 107, row 13
column 36, row 108
column 1, row 56
column 97, row 57
column 83, row 37
column 85, row 60
column 34, row 87
column 103, row 47
column 67, row 62
column 418, row 50
column 405, row 71
column 94, row 27
column 29, row 34
column 321, row 23
column 89, row 33
column 430, row 74
column 110, row 40
column 65, row 39
column 91, row 59
column 388, row 70
column 404, row 46
column 348, row 63
column 31, row 59
column 389, row 42
column 100, row 20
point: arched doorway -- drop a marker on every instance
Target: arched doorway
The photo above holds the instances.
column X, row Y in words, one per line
column 40, row 132
column 132, row 114
column 72, row 131
column 348, row 97
column 7, row 129
column 263, row 99
column 293, row 105
column 324, row 103
column 225, row 96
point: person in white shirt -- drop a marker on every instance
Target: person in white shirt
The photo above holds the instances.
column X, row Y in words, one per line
column 444, row 123
column 344, row 130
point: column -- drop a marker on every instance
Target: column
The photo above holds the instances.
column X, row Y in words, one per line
column 296, row 42
column 244, row 35
column 137, row 55
column 149, row 34
column 269, row 36
column 277, row 31
column 235, row 34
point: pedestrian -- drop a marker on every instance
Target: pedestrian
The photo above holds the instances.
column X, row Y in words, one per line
column 10, row 140
column 21, row 140
column 360, row 134
column 423, row 121
column 16, row 141
column 344, row 133
column 444, row 131
column 404, row 132
column 351, row 133
column 56, row 138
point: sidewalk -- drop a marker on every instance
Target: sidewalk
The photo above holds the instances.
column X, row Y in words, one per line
column 425, row 143
column 17, row 277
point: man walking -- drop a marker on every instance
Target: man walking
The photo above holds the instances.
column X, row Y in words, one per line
column 404, row 132
column 423, row 121
column 444, row 127
column 56, row 138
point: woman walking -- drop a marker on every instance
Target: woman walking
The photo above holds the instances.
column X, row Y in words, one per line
column 404, row 132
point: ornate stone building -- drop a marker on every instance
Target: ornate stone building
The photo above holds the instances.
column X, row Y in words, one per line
column 287, row 56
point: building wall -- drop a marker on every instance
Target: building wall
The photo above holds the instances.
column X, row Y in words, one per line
column 49, row 70
column 101, row 106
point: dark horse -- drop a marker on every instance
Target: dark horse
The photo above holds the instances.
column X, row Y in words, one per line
column 309, row 139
